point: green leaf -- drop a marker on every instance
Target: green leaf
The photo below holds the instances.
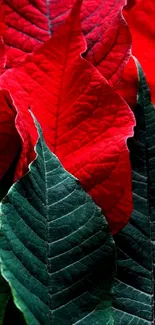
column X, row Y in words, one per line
column 134, row 288
column 5, row 183
column 56, row 250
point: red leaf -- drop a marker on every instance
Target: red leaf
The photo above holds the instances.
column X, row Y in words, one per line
column 140, row 16
column 2, row 46
column 106, row 32
column 84, row 122
column 28, row 25
column 107, row 35
column 10, row 141
column 128, row 86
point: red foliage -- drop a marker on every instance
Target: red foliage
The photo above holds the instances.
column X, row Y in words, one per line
column 128, row 86
column 107, row 35
column 140, row 16
column 108, row 38
column 84, row 121
column 2, row 46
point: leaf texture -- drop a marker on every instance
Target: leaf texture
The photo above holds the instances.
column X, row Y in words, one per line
column 107, row 35
column 134, row 290
column 128, row 87
column 108, row 38
column 139, row 16
column 56, row 250
column 84, row 121
column 28, row 25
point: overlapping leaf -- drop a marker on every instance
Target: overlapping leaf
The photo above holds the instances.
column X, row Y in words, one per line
column 9, row 148
column 108, row 38
column 56, row 250
column 107, row 35
column 27, row 26
column 85, row 123
column 134, row 288
column 128, row 86
column 140, row 16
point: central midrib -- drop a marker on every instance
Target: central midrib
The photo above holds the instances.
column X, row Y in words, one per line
column 60, row 93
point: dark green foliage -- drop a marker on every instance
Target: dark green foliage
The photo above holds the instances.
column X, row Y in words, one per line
column 134, row 288
column 56, row 250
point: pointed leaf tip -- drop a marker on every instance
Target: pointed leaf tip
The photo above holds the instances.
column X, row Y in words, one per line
column 56, row 250
column 38, row 127
column 76, row 108
column 143, row 86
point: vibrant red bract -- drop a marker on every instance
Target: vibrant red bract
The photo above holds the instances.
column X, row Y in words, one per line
column 84, row 121
column 2, row 46
column 107, row 35
column 128, row 86
column 27, row 27
column 139, row 15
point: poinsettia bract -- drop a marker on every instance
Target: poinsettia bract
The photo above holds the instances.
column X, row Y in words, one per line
column 84, row 121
